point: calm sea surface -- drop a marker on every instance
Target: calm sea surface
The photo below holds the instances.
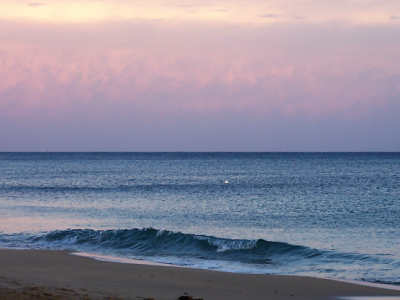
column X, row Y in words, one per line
column 331, row 215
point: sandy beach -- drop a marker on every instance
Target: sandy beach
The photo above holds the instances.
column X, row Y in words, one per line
column 33, row 274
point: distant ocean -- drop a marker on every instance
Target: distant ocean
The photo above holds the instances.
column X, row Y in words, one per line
column 334, row 215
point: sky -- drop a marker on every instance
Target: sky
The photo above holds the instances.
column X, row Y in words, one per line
column 186, row 75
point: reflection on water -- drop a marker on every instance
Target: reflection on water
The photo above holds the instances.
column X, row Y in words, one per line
column 369, row 298
column 372, row 284
column 39, row 224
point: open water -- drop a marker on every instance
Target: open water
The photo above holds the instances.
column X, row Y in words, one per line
column 334, row 215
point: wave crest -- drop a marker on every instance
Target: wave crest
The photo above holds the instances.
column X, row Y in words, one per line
column 153, row 242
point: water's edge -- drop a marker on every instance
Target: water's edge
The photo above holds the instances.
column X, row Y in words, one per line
column 114, row 259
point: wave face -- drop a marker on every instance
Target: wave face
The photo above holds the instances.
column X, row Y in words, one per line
column 200, row 251
column 151, row 242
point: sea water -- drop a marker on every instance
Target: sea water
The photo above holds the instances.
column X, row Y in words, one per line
column 334, row 215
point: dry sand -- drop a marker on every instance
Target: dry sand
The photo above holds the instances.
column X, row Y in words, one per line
column 41, row 274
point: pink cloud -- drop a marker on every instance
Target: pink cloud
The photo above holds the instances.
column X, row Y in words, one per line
column 36, row 4
column 206, row 75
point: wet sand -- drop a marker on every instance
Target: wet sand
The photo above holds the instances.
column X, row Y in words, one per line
column 42, row 274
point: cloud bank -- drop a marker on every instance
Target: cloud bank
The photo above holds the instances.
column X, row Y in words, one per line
column 202, row 84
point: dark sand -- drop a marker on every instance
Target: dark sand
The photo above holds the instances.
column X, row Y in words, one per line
column 41, row 274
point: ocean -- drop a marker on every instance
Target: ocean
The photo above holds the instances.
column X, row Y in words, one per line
column 331, row 215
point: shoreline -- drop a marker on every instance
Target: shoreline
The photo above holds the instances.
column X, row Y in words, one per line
column 114, row 259
column 57, row 271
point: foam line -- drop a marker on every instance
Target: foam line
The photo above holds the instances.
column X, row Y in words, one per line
column 122, row 260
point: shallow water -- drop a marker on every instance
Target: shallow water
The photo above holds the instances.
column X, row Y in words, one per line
column 319, row 214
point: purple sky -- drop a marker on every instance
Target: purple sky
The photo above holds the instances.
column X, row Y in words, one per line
column 299, row 75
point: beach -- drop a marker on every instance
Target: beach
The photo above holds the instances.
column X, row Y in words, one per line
column 45, row 274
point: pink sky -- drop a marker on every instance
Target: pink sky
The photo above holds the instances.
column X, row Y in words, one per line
column 200, row 76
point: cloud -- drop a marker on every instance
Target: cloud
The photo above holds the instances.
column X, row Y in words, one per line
column 240, row 11
column 37, row 4
column 143, row 76
column 269, row 16
column 157, row 70
column 275, row 16
column 86, row 64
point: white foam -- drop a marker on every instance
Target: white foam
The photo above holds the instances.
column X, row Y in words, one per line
column 377, row 285
column 122, row 260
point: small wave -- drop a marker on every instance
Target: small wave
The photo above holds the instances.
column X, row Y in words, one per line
column 209, row 252
column 153, row 242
